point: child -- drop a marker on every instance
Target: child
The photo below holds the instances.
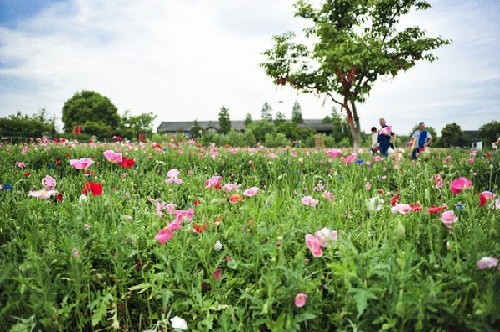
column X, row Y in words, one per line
column 374, row 140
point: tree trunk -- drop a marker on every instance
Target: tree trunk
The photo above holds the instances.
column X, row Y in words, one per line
column 353, row 121
column 356, row 128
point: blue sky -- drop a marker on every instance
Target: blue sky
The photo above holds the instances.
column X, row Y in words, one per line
column 185, row 59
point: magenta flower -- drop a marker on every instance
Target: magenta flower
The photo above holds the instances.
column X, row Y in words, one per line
column 300, row 300
column 217, row 274
column 182, row 215
column 487, row 263
column 334, row 153
column 113, row 157
column 313, row 245
column 401, row 208
column 163, row 236
column 251, row 192
column 309, row 201
column 82, row 163
column 228, row 187
column 449, row 217
column 21, row 164
column 460, row 184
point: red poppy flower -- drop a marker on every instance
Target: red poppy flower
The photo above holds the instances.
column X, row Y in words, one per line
column 59, row 197
column 127, row 162
column 488, row 155
column 380, row 191
column 394, row 199
column 235, row 198
column 196, row 202
column 27, row 174
column 416, row 207
column 437, row 209
column 200, row 228
column 482, row 200
column 93, row 188
column 58, row 161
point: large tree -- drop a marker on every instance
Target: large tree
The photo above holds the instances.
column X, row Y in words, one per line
column 453, row 136
column 266, row 112
column 89, row 106
column 224, row 121
column 489, row 132
column 354, row 42
column 24, row 126
column 131, row 125
column 297, row 113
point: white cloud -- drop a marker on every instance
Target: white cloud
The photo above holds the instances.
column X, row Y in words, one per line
column 185, row 59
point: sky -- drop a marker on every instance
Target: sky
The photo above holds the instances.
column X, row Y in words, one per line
column 184, row 60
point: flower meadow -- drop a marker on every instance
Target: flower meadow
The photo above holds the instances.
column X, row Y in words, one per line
column 138, row 237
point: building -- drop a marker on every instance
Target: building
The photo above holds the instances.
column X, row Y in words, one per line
column 184, row 127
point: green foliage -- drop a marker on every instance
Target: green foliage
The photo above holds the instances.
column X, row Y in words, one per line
column 266, row 112
column 24, row 126
column 297, row 113
column 452, row 136
column 89, row 106
column 260, row 128
column 489, row 133
column 224, row 121
column 130, row 126
column 354, row 43
column 279, row 118
column 341, row 132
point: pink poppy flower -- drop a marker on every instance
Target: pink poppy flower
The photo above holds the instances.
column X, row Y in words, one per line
column 251, row 192
column 228, row 187
column 48, row 182
column 401, row 208
column 349, row 159
column 181, row 215
column 82, row 163
column 328, row 195
column 460, row 184
column 163, row 236
column 471, row 160
column 214, row 182
column 42, row 194
column 485, row 196
column 309, row 201
column 377, row 158
column 300, row 300
column 174, row 226
column 21, row 164
column 113, row 157
column 334, row 153
column 313, row 245
column 174, row 180
column 487, row 263
column 326, row 237
column 24, row 150
column 449, row 217
column 173, row 173
column 368, row 186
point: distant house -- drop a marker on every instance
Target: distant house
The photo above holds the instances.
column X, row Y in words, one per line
column 184, row 127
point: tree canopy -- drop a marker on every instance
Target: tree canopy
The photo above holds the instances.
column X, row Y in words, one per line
column 297, row 113
column 489, row 132
column 354, row 42
column 266, row 112
column 22, row 125
column 89, row 106
column 453, row 136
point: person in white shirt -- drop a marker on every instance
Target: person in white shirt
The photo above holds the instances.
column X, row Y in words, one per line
column 374, row 140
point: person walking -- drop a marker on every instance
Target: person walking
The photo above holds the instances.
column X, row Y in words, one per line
column 384, row 137
column 421, row 139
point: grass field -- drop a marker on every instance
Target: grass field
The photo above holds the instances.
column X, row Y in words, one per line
column 246, row 239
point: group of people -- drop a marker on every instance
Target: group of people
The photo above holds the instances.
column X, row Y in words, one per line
column 383, row 139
